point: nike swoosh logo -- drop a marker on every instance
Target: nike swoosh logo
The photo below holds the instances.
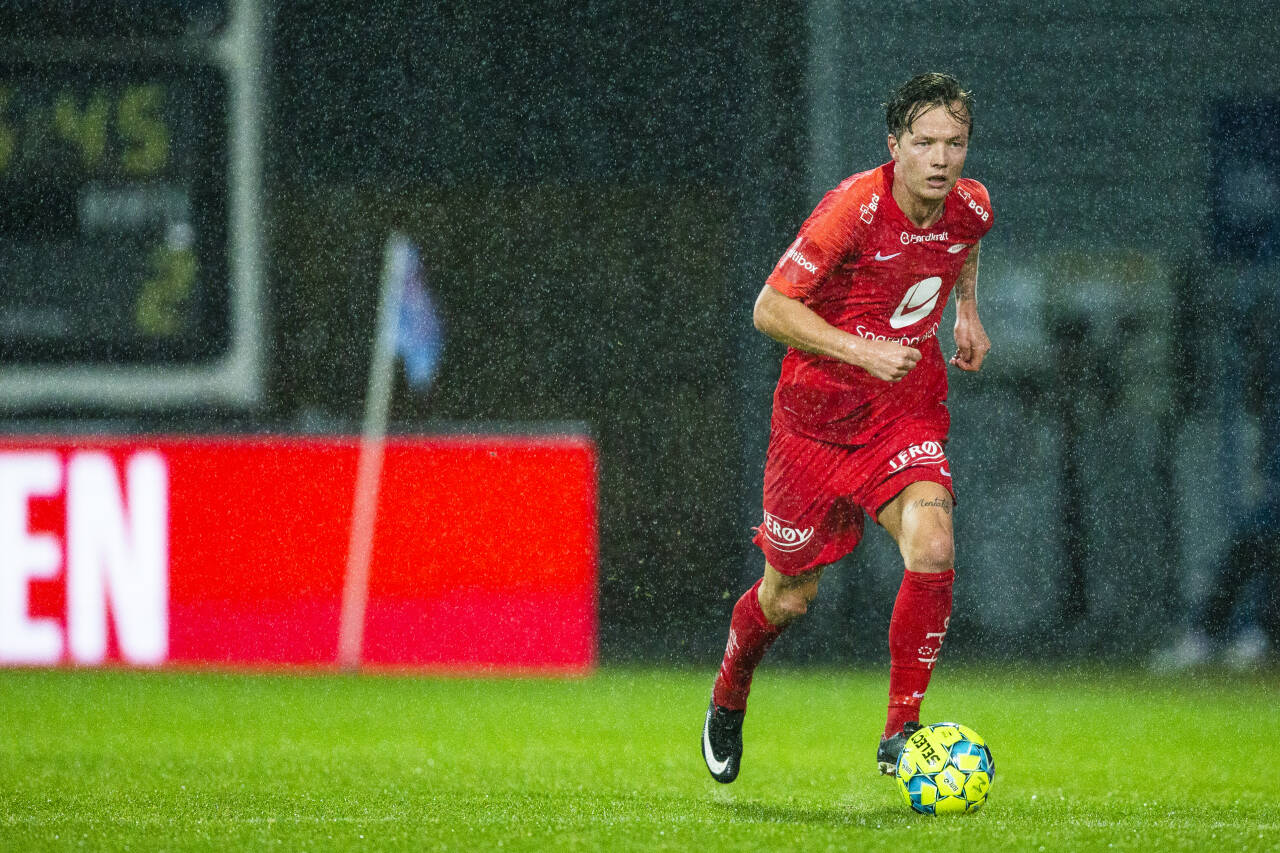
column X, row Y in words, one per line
column 717, row 767
column 943, row 469
column 880, row 257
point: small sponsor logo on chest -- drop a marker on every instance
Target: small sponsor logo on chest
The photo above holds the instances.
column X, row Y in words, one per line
column 909, row 239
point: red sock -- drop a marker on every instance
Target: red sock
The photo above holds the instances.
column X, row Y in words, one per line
column 750, row 636
column 920, row 619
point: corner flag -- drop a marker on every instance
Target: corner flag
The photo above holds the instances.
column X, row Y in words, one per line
column 409, row 328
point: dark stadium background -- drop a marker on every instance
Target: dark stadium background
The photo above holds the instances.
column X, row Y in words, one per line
column 599, row 190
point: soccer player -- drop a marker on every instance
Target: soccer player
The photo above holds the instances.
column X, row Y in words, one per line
column 859, row 414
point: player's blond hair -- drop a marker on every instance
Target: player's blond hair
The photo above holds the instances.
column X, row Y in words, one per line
column 923, row 92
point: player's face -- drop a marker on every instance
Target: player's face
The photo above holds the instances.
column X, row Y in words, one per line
column 930, row 156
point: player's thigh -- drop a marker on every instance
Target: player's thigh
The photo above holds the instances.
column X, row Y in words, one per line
column 809, row 520
column 919, row 520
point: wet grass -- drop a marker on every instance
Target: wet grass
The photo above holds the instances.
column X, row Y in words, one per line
column 1096, row 759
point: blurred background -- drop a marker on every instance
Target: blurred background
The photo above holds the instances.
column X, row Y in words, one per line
column 598, row 191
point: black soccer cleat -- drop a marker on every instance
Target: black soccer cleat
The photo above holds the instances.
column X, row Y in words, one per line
column 722, row 742
column 891, row 748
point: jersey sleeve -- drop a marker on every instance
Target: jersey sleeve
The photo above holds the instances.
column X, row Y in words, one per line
column 978, row 204
column 836, row 229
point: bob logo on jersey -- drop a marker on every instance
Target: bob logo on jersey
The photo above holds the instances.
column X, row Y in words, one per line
column 783, row 535
column 980, row 211
column 925, row 453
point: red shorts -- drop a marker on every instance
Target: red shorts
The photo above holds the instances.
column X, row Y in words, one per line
column 815, row 492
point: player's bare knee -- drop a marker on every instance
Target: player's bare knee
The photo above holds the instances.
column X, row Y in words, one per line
column 784, row 606
column 785, row 598
column 931, row 554
column 795, row 602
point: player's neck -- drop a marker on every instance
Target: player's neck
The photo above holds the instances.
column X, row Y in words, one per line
column 922, row 213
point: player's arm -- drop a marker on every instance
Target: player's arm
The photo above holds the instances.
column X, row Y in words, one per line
column 797, row 325
column 972, row 343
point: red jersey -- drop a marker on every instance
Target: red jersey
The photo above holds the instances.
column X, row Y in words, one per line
column 863, row 266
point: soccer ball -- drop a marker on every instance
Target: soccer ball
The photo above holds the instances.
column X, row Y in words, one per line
column 945, row 768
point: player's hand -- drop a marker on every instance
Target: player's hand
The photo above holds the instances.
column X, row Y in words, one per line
column 887, row 360
column 972, row 343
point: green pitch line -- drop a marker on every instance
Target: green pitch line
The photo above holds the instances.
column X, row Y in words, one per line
column 178, row 761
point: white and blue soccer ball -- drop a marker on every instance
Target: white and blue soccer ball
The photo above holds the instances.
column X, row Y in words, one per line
column 945, row 768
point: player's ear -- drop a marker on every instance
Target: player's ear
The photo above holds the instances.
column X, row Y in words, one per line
column 893, row 147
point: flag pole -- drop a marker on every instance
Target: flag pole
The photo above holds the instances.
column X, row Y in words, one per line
column 355, row 586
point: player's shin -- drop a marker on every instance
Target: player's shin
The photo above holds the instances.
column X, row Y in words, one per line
column 750, row 636
column 921, row 615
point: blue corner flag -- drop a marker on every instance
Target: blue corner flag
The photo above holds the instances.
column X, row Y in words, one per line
column 419, row 334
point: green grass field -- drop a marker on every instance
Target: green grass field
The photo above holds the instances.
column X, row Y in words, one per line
column 213, row 761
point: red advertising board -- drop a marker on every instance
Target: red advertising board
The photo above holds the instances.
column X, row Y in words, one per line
column 233, row 551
